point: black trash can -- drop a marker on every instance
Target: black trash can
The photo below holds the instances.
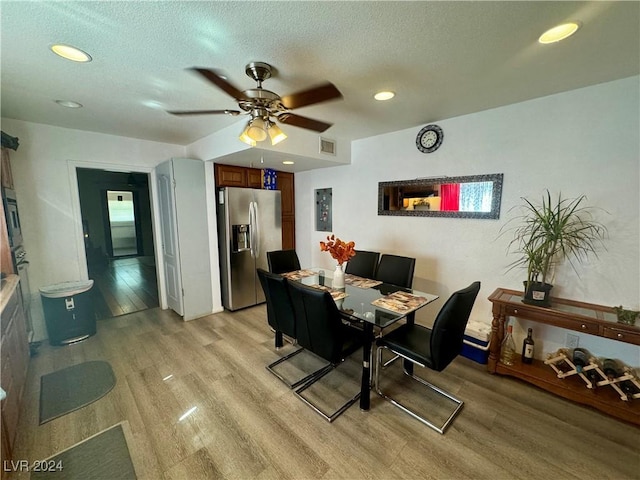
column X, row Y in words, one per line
column 68, row 311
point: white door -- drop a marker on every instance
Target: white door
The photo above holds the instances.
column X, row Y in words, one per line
column 170, row 250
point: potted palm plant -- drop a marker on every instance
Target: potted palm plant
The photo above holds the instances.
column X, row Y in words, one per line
column 548, row 234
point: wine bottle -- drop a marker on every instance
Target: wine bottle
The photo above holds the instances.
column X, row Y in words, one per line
column 593, row 377
column 580, row 358
column 610, row 369
column 629, row 388
column 527, row 347
column 508, row 349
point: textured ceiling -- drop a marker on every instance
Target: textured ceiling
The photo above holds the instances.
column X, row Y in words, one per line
column 443, row 59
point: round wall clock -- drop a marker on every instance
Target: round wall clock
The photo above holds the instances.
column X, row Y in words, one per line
column 429, row 138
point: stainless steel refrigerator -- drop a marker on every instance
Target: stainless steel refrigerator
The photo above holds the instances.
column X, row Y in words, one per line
column 249, row 226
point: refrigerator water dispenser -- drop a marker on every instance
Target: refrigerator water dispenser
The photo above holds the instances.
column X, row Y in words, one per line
column 241, row 238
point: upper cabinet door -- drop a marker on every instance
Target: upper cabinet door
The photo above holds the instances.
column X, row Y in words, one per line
column 230, row 176
column 254, row 178
column 286, row 186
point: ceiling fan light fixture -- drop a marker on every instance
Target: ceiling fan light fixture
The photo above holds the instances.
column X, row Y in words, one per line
column 559, row 32
column 264, row 105
column 71, row 53
column 244, row 137
column 256, row 129
column 276, row 134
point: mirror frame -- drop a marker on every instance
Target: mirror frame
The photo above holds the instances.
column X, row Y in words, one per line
column 496, row 178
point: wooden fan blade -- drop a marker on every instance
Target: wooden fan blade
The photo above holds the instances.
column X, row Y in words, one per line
column 221, row 83
column 303, row 122
column 322, row 93
column 203, row 112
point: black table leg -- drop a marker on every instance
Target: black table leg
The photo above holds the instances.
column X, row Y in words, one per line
column 279, row 339
column 365, row 386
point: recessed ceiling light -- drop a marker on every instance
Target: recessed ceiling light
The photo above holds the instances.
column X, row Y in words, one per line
column 384, row 95
column 69, row 104
column 71, row 53
column 153, row 104
column 559, row 32
column 288, row 162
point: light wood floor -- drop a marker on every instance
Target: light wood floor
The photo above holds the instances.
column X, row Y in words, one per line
column 249, row 425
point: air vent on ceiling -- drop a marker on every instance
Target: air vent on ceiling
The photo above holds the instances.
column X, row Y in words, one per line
column 327, row 146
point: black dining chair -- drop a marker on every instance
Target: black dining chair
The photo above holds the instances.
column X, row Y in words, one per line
column 433, row 348
column 320, row 330
column 396, row 270
column 283, row 261
column 280, row 316
column 364, row 264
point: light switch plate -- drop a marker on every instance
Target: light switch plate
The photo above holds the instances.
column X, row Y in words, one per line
column 572, row 341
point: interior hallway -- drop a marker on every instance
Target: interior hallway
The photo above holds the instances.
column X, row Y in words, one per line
column 125, row 285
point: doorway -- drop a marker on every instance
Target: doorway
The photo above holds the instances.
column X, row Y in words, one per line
column 119, row 243
column 122, row 223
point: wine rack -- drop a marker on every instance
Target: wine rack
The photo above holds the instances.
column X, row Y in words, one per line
column 592, row 374
column 586, row 318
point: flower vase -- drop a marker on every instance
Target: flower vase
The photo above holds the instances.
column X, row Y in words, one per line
column 338, row 277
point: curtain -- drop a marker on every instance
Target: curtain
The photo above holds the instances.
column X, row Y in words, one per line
column 450, row 193
column 476, row 197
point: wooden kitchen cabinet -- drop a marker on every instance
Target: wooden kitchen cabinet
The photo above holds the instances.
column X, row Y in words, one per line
column 598, row 320
column 230, row 176
column 14, row 361
column 233, row 176
column 288, row 233
column 254, row 178
column 285, row 183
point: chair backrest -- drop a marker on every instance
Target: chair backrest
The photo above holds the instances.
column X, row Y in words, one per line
column 447, row 333
column 396, row 269
column 364, row 264
column 318, row 323
column 280, row 314
column 283, row 261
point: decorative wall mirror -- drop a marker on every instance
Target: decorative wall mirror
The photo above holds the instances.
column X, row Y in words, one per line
column 475, row 196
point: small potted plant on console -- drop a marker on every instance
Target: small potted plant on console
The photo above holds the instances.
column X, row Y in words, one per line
column 548, row 234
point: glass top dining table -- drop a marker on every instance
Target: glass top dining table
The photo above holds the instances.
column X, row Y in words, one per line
column 373, row 303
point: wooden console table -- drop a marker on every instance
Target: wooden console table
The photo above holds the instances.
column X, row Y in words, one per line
column 582, row 317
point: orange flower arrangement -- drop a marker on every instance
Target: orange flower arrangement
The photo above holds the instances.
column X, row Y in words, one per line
column 339, row 250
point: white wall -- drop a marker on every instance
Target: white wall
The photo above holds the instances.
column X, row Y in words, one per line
column 46, row 193
column 581, row 142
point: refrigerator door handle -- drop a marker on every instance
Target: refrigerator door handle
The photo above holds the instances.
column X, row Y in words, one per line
column 255, row 244
column 253, row 230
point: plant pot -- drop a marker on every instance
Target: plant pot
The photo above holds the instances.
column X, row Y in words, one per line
column 537, row 293
column 626, row 316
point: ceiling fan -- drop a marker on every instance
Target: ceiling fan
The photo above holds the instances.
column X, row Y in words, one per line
column 265, row 107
